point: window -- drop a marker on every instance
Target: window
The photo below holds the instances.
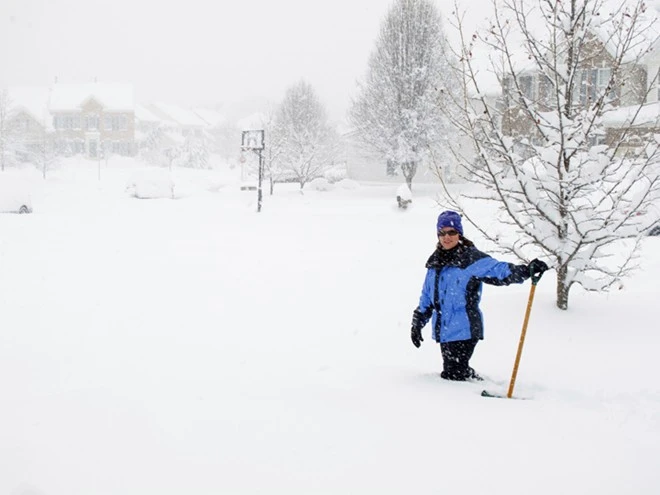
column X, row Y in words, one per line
column 602, row 79
column 91, row 122
column 120, row 147
column 595, row 140
column 587, row 81
column 115, row 123
column 526, row 84
column 593, row 83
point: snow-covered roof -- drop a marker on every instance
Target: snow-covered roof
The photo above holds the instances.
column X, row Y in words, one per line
column 112, row 96
column 143, row 114
column 180, row 116
column 649, row 116
column 211, row 117
column 32, row 100
column 252, row 122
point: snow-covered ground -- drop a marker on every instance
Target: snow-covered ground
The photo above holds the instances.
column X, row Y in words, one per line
column 193, row 346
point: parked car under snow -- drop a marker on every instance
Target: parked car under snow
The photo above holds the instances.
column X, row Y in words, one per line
column 154, row 185
column 14, row 196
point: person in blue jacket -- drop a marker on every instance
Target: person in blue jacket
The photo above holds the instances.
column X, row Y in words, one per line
column 452, row 291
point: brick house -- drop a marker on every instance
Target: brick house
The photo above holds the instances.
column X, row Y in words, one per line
column 591, row 80
column 93, row 119
column 29, row 119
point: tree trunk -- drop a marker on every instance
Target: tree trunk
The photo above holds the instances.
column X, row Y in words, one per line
column 409, row 169
column 562, row 287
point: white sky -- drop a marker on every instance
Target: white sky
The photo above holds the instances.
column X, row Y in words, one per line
column 193, row 52
column 197, row 51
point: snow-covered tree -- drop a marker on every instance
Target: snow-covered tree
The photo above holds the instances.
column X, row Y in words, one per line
column 42, row 154
column 151, row 150
column 7, row 134
column 274, row 146
column 193, row 153
column 302, row 130
column 397, row 111
column 171, row 149
column 225, row 136
column 569, row 157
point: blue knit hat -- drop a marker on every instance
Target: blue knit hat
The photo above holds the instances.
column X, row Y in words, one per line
column 450, row 219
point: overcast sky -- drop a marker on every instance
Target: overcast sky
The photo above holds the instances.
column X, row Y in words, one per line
column 194, row 52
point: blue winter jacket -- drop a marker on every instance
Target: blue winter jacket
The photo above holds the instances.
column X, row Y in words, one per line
column 452, row 291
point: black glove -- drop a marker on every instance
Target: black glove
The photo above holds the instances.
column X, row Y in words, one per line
column 416, row 336
column 537, row 267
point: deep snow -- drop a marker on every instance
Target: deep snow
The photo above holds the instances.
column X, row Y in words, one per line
column 195, row 346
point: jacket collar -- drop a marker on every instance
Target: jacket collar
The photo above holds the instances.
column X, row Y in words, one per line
column 454, row 257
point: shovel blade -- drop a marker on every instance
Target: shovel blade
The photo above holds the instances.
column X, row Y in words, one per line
column 486, row 393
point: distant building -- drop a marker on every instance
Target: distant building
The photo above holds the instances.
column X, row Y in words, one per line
column 89, row 119
column 29, row 118
column 93, row 118
column 175, row 118
column 638, row 99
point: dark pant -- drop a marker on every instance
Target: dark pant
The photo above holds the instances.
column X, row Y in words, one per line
column 456, row 359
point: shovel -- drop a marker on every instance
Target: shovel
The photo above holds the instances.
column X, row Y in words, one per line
column 512, row 383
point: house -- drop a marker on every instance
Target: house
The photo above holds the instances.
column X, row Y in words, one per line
column 178, row 119
column 592, row 79
column 155, row 134
column 93, row 118
column 28, row 118
column 364, row 164
column 211, row 117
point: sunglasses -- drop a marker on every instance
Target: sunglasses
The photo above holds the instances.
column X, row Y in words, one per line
column 443, row 233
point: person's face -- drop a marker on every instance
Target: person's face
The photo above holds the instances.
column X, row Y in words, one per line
column 448, row 237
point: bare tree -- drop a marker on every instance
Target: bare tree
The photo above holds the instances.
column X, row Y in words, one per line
column 302, row 130
column 568, row 157
column 398, row 108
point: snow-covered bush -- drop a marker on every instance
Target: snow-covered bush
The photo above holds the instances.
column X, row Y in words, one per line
column 320, row 184
column 348, row 184
column 335, row 174
column 403, row 196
